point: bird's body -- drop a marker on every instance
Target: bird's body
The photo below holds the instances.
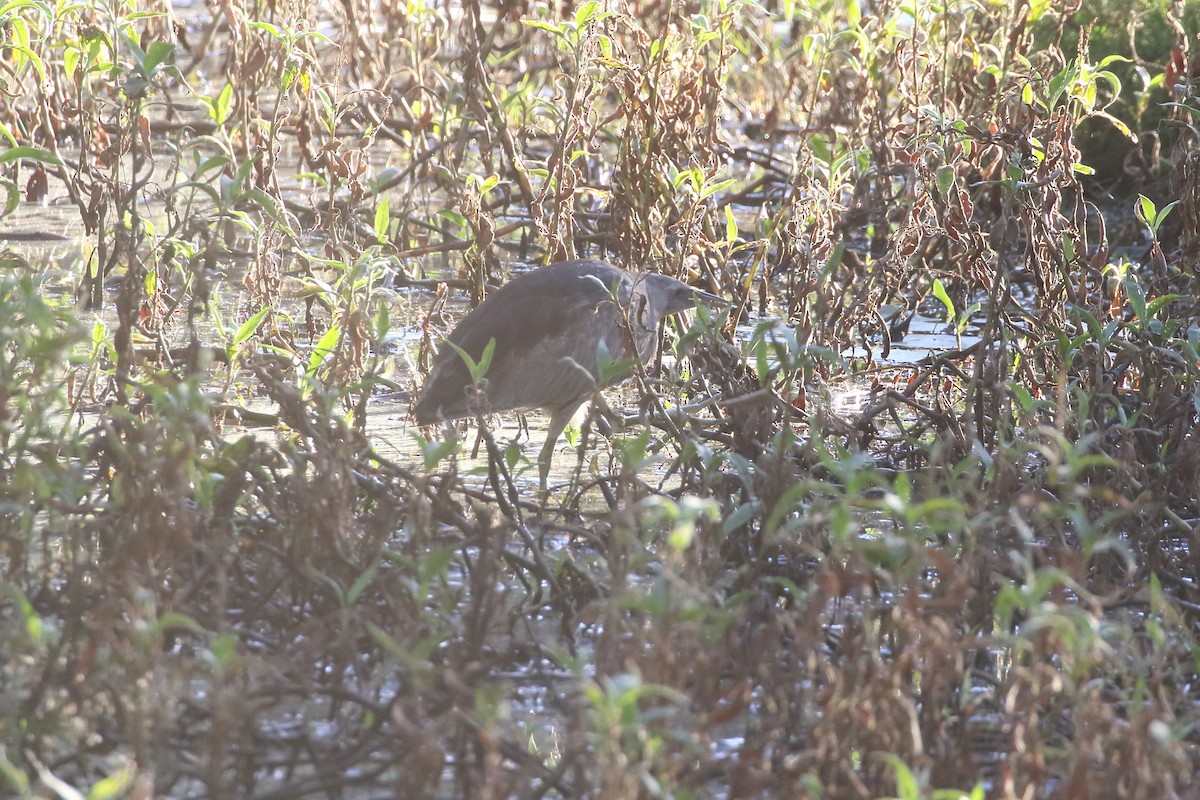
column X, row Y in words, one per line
column 551, row 326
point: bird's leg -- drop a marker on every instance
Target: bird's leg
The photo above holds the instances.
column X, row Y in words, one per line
column 558, row 423
column 544, row 465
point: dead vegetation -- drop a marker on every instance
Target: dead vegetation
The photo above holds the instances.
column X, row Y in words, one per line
column 980, row 583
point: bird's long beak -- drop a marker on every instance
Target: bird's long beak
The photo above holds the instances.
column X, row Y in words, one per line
column 709, row 297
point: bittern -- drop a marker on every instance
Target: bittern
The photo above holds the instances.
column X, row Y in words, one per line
column 555, row 330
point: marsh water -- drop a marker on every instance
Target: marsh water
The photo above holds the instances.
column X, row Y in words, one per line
column 50, row 237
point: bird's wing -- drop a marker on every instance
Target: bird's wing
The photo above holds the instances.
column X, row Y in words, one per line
column 547, row 332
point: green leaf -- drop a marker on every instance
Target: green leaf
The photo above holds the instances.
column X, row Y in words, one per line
column 1059, row 83
column 945, row 179
column 1152, row 216
column 1145, row 209
column 708, row 190
column 1137, row 299
column 1104, row 62
column 907, row 787
column 964, row 319
column 453, row 217
column 432, row 452
column 113, row 786
column 1023, row 397
column 250, row 327
column 157, row 54
column 1162, row 214
column 741, row 516
column 323, row 349
column 203, row 188
column 609, row 369
column 685, row 175
column 33, row 622
column 12, row 197
column 383, row 220
column 834, row 260
column 586, row 13
column 939, row 291
column 174, row 620
column 268, row 28
column 361, row 583
column 478, row 369
column 820, row 148
column 1156, row 305
column 134, row 48
column 512, row 455
column 543, row 26
column 381, row 323
column 224, row 105
column 31, row 153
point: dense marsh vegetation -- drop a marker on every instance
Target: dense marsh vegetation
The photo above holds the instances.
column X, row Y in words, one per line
column 977, row 580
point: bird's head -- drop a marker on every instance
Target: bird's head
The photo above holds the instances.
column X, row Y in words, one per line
column 668, row 296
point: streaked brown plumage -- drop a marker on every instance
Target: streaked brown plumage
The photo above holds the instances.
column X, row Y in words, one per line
column 550, row 325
